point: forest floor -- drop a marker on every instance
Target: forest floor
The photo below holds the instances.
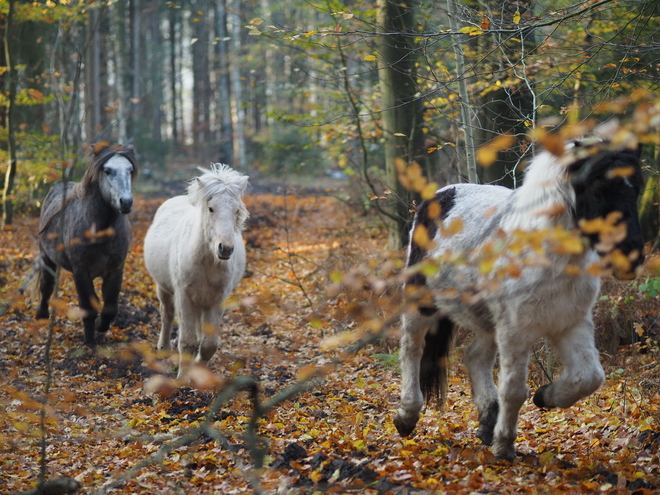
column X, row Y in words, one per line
column 289, row 320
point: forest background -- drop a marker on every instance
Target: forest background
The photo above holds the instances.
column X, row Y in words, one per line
column 389, row 98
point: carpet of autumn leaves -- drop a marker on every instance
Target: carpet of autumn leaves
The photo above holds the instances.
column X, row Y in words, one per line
column 286, row 322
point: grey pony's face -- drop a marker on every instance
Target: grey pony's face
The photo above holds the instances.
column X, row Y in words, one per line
column 608, row 187
column 115, row 183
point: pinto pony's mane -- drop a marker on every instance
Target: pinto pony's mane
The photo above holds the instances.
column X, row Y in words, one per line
column 220, row 179
column 96, row 157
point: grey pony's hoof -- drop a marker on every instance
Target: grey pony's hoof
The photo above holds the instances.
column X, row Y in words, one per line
column 404, row 427
column 539, row 400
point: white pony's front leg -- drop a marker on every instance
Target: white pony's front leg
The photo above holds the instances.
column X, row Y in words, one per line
column 512, row 386
column 189, row 331
column 479, row 359
column 167, row 317
column 582, row 373
column 413, row 333
column 211, row 319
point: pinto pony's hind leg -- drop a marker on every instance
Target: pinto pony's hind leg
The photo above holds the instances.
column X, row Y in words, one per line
column 167, row 318
column 46, row 274
column 424, row 354
column 512, row 388
column 582, row 373
column 479, row 359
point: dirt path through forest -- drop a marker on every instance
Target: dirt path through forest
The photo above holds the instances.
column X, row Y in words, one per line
column 337, row 437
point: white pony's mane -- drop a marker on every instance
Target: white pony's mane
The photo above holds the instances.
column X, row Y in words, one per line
column 219, row 179
column 545, row 188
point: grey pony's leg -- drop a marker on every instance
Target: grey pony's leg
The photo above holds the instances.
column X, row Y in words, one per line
column 110, row 290
column 88, row 303
column 582, row 373
column 46, row 269
column 167, row 318
column 479, row 359
column 413, row 333
column 514, row 351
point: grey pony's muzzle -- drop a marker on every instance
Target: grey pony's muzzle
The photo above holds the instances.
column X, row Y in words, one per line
column 126, row 204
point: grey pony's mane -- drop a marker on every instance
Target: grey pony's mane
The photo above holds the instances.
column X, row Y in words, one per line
column 95, row 158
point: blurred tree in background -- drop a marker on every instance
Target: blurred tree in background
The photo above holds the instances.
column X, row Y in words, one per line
column 293, row 88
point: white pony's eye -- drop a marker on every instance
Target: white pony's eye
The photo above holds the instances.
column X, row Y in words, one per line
column 210, row 209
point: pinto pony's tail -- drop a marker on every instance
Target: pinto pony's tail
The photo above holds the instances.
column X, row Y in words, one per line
column 32, row 283
column 434, row 367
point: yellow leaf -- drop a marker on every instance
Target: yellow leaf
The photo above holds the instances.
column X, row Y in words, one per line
column 370, row 58
column 487, row 154
column 400, row 134
column 516, row 17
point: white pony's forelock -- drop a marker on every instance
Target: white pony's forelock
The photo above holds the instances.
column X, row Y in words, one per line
column 218, row 178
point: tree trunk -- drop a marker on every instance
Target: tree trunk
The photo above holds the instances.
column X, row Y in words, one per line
column 119, row 23
column 238, row 112
column 155, row 62
column 200, row 67
column 92, row 77
column 468, row 132
column 7, row 202
column 173, row 74
column 135, row 50
column 401, row 110
column 223, row 82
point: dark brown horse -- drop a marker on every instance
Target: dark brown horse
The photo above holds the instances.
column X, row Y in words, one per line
column 84, row 229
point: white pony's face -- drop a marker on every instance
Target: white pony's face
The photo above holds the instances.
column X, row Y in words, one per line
column 223, row 215
column 115, row 183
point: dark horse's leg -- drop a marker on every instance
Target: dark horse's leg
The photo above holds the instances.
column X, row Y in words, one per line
column 47, row 269
column 110, row 290
column 88, row 303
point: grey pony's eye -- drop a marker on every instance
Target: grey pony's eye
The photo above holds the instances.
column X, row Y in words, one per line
column 107, row 171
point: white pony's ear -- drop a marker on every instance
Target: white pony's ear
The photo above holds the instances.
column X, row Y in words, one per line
column 193, row 191
column 243, row 183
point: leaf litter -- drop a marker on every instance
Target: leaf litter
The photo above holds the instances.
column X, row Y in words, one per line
column 317, row 271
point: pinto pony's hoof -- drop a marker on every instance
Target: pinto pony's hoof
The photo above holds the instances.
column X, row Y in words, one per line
column 405, row 427
column 505, row 452
column 485, row 434
column 539, row 399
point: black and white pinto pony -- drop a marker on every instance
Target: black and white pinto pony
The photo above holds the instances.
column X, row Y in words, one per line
column 195, row 253
column 528, row 294
column 84, row 228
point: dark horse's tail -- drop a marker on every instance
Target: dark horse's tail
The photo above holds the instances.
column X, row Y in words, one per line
column 32, row 282
column 435, row 360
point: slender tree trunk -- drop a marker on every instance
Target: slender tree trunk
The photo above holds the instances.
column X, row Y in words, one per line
column 201, row 82
column 173, row 74
column 119, row 22
column 401, row 110
column 155, row 62
column 92, row 77
column 464, row 96
column 238, row 112
column 223, row 82
column 136, row 70
column 7, row 202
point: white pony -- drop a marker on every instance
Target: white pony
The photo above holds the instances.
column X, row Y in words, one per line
column 195, row 253
column 513, row 275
